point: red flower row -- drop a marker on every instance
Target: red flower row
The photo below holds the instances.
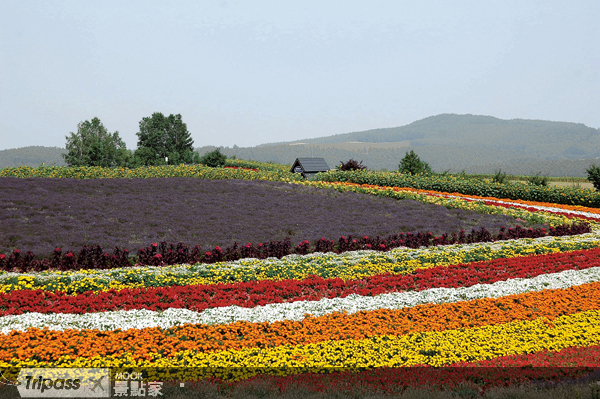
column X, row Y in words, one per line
column 250, row 294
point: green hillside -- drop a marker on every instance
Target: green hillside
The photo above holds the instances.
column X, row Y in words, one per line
column 477, row 144
column 32, row 156
column 448, row 142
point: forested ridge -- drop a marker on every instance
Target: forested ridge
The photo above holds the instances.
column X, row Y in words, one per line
column 448, row 142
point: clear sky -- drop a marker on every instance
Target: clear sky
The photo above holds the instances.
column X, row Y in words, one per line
column 251, row 72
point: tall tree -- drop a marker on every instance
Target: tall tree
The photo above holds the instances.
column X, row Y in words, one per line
column 164, row 140
column 93, row 145
column 411, row 163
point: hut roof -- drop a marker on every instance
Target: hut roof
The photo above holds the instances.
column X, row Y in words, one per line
column 311, row 165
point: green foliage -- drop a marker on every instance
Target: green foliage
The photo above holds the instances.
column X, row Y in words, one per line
column 500, row 177
column 146, row 156
column 93, row 145
column 593, row 175
column 412, row 164
column 351, row 165
column 213, row 159
column 164, row 140
column 538, row 180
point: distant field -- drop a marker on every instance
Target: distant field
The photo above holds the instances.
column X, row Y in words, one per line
column 357, row 145
column 572, row 184
column 567, row 182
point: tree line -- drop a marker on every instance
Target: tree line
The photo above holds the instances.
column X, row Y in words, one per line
column 162, row 140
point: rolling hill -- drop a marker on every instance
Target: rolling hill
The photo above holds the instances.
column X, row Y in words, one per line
column 448, row 142
column 474, row 143
column 32, row 156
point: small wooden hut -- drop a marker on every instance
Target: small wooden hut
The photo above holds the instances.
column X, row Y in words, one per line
column 309, row 167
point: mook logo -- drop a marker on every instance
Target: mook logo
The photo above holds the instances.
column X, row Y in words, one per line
column 64, row 383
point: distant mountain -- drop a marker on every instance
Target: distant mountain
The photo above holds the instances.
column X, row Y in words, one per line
column 32, row 156
column 473, row 143
column 448, row 142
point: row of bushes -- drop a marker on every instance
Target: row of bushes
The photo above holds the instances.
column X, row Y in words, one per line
column 453, row 184
column 197, row 171
column 159, row 254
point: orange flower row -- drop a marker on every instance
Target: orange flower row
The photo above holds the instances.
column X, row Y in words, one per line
column 47, row 345
column 523, row 202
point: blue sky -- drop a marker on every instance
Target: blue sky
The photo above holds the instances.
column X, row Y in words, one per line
column 252, row 72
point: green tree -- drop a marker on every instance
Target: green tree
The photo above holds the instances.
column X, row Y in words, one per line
column 213, row 159
column 93, row 145
column 593, row 175
column 164, row 140
column 411, row 163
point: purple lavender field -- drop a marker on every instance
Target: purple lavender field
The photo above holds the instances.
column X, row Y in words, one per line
column 38, row 214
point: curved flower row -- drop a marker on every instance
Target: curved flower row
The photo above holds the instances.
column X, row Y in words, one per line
column 433, row 347
column 154, row 344
column 254, row 293
column 353, row 303
column 289, row 267
column 457, row 200
column 347, row 266
column 507, row 370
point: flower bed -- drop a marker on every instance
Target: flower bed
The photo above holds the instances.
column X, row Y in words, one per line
column 381, row 318
column 40, row 214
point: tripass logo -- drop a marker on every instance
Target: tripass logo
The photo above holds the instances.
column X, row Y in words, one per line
column 64, row 383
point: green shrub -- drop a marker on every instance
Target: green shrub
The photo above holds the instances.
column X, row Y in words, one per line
column 538, row 180
column 213, row 159
column 500, row 177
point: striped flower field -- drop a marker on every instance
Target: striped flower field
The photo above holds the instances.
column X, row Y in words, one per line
column 486, row 314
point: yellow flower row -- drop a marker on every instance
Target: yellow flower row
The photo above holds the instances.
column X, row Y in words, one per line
column 428, row 348
column 195, row 171
column 539, row 217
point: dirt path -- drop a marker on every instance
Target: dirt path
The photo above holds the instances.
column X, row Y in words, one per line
column 568, row 184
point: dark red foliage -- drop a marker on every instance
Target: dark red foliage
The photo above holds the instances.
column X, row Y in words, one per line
column 171, row 254
column 351, row 165
column 464, row 381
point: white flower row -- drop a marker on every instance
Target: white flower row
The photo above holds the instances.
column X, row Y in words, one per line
column 295, row 310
